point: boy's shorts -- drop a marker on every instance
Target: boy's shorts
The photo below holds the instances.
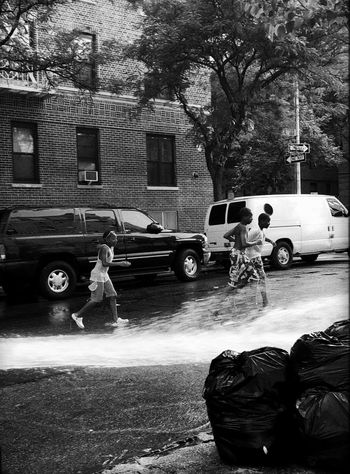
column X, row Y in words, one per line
column 106, row 288
column 259, row 267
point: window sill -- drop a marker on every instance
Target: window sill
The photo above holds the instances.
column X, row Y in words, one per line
column 27, row 185
column 163, row 188
column 89, row 186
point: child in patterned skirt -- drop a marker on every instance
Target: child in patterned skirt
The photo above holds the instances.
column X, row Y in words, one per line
column 241, row 270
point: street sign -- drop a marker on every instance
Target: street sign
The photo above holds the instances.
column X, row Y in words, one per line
column 296, row 158
column 299, row 147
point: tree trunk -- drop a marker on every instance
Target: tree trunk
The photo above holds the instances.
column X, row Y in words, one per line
column 218, row 183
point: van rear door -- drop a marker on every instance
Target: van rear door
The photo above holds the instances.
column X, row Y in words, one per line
column 339, row 224
column 315, row 225
column 222, row 217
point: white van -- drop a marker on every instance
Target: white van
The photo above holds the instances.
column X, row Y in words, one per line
column 303, row 225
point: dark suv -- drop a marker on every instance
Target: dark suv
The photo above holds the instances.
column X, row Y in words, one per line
column 54, row 248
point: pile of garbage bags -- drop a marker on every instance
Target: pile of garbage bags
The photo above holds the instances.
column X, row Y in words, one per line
column 270, row 406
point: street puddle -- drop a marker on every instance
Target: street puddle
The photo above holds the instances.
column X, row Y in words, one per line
column 194, row 333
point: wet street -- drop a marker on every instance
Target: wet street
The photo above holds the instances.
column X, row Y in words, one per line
column 81, row 401
column 173, row 322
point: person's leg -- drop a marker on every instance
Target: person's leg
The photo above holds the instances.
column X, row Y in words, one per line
column 95, row 298
column 112, row 301
column 264, row 293
column 111, row 294
column 259, row 266
column 87, row 306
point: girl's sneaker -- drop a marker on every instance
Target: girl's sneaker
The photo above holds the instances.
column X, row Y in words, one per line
column 115, row 324
column 122, row 321
column 79, row 321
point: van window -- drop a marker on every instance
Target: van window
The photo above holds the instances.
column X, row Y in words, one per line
column 99, row 220
column 217, row 214
column 42, row 222
column 233, row 211
column 336, row 208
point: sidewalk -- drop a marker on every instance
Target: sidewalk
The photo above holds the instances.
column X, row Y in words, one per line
column 194, row 455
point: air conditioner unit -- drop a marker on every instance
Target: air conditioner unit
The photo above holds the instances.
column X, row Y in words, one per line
column 89, row 176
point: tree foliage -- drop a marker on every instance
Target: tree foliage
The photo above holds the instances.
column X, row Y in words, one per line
column 31, row 41
column 260, row 165
column 245, row 46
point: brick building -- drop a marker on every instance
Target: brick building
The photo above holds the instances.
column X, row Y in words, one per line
column 58, row 148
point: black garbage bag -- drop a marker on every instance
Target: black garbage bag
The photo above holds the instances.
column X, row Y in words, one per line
column 247, row 398
column 323, row 424
column 322, row 360
column 340, row 330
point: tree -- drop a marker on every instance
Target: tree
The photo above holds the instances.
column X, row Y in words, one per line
column 260, row 166
column 245, row 47
column 32, row 43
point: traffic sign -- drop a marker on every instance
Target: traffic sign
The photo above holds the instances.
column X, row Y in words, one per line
column 299, row 147
column 296, row 158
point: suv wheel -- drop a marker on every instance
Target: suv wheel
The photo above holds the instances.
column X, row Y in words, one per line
column 57, row 280
column 282, row 256
column 187, row 265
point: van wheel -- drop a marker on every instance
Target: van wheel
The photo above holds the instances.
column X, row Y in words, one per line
column 57, row 280
column 309, row 258
column 187, row 265
column 282, row 256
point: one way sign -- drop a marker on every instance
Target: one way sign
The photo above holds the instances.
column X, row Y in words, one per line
column 299, row 147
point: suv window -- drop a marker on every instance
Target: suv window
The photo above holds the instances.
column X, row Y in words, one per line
column 217, row 214
column 135, row 221
column 99, row 220
column 42, row 222
column 233, row 211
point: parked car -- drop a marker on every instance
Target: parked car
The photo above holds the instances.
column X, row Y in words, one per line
column 56, row 247
column 303, row 225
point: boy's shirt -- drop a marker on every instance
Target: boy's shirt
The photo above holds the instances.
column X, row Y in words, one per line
column 255, row 250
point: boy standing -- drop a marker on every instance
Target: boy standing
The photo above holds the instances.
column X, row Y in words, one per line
column 101, row 283
column 254, row 252
column 241, row 270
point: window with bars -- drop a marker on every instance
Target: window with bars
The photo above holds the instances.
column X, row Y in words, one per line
column 160, row 160
column 25, row 153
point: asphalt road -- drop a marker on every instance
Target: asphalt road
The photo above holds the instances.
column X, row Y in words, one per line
column 85, row 401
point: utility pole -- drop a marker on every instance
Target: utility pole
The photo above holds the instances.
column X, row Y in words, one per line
column 297, row 127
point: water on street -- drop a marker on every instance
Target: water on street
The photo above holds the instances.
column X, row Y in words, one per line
column 174, row 323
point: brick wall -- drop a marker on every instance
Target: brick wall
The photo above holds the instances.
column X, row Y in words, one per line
column 122, row 139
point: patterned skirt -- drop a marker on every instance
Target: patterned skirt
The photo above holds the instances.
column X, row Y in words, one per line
column 242, row 270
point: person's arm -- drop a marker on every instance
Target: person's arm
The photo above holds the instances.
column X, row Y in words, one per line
column 250, row 243
column 103, row 256
column 271, row 242
column 229, row 235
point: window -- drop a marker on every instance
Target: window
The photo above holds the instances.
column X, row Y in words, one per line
column 25, row 153
column 233, row 214
column 87, row 153
column 217, row 214
column 168, row 219
column 135, row 221
column 85, row 69
column 154, row 88
column 336, row 208
column 160, row 160
column 99, row 220
column 43, row 222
